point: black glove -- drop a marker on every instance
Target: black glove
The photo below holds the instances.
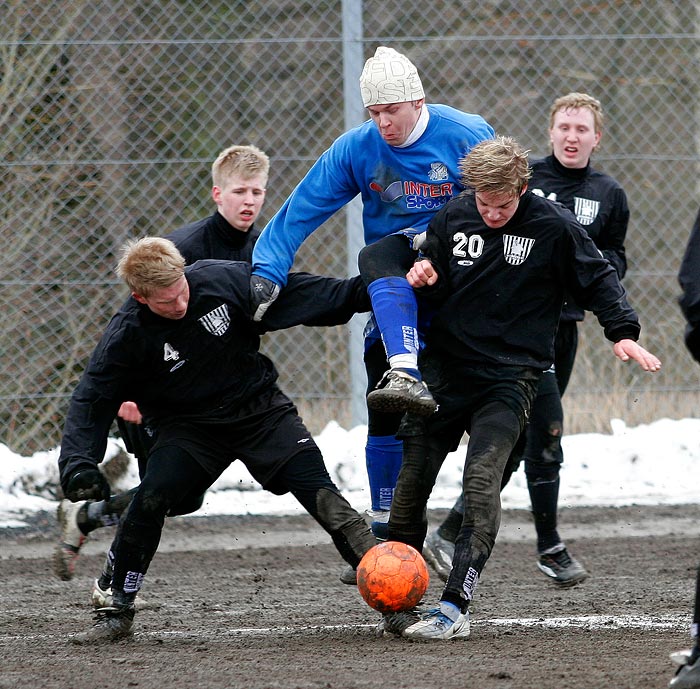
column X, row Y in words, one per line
column 262, row 293
column 89, row 484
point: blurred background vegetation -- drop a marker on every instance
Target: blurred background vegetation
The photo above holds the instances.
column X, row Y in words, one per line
column 112, row 112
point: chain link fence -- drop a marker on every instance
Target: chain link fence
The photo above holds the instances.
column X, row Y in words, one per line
column 112, row 112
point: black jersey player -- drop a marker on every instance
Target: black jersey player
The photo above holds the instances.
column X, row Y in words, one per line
column 185, row 349
column 600, row 206
column 687, row 675
column 499, row 261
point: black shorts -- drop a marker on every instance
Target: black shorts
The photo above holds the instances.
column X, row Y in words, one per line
column 461, row 389
column 264, row 435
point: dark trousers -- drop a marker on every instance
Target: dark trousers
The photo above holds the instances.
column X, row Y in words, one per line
column 492, row 407
column 539, row 447
column 173, row 476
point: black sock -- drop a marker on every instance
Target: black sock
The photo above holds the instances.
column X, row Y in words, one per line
column 105, row 579
column 104, row 512
column 544, row 498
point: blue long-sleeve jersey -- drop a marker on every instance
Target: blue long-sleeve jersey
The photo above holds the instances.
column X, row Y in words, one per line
column 399, row 187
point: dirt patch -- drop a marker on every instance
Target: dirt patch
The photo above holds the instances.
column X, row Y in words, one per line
column 255, row 603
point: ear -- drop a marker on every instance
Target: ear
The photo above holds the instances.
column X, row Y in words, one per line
column 216, row 195
column 139, row 298
column 524, row 189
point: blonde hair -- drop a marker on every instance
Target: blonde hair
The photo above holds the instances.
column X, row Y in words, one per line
column 576, row 101
column 496, row 166
column 244, row 161
column 149, row 264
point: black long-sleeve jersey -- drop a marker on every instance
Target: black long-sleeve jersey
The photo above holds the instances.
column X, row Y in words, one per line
column 689, row 279
column 599, row 204
column 502, row 290
column 204, row 366
column 214, row 237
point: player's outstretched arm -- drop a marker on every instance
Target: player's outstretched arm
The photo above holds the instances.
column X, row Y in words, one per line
column 422, row 274
column 628, row 349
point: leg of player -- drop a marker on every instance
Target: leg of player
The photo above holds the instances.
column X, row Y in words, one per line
column 171, row 476
column 540, row 446
column 101, row 595
column 543, row 458
column 383, row 450
column 687, row 675
column 495, row 429
column 306, row 477
column 383, row 266
column 76, row 520
column 408, row 522
column 439, row 546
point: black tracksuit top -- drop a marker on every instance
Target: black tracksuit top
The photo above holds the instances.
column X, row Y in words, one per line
column 501, row 290
column 214, row 237
column 689, row 279
column 599, row 204
column 202, row 367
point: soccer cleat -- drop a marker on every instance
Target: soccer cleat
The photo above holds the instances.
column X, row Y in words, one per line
column 399, row 391
column 688, row 674
column 68, row 548
column 349, row 576
column 111, row 624
column 444, row 622
column 397, row 622
column 102, row 598
column 561, row 568
column 438, row 553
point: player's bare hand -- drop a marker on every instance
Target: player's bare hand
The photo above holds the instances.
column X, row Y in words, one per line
column 130, row 412
column 629, row 349
column 422, row 274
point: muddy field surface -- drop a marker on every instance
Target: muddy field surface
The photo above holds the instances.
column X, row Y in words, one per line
column 255, row 603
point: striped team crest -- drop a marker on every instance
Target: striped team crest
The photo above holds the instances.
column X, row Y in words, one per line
column 516, row 249
column 217, row 321
column 585, row 210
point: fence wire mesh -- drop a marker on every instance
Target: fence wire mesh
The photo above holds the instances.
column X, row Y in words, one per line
column 111, row 113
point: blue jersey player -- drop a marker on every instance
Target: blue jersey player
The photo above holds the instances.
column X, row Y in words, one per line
column 403, row 162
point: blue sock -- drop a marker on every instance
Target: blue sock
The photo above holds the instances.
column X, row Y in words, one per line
column 450, row 609
column 396, row 312
column 383, row 454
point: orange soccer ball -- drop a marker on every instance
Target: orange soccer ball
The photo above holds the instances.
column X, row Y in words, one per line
column 392, row 576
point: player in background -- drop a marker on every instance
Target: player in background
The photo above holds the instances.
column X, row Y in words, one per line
column 403, row 162
column 600, row 205
column 500, row 261
column 239, row 179
column 688, row 674
column 184, row 347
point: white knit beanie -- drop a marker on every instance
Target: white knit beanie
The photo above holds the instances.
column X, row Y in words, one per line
column 389, row 77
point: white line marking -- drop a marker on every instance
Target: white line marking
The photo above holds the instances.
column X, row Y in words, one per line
column 596, row 622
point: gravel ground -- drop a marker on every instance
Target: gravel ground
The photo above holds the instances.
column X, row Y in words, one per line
column 255, row 603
